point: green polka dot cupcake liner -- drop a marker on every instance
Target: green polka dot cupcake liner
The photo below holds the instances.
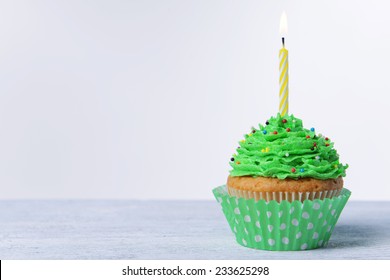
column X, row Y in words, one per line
column 284, row 225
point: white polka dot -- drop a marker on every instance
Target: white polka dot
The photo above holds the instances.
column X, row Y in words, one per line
column 244, row 242
column 324, row 224
column 328, row 229
column 247, row 218
column 271, row 242
column 220, row 199
column 280, row 214
column 269, row 214
column 228, row 201
column 235, row 229
column 332, row 212
column 270, row 228
column 295, row 222
column 292, row 210
column 258, row 213
column 236, row 221
column 285, row 240
column 283, row 226
column 330, row 206
column 316, row 206
column 310, row 226
column 236, row 200
column 305, row 215
column 257, row 224
column 257, row 238
column 320, row 216
column 298, row 235
column 247, row 207
column 246, row 231
column 237, row 211
column 315, row 235
column 304, row 246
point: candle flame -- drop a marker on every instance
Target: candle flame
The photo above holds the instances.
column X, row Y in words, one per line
column 283, row 25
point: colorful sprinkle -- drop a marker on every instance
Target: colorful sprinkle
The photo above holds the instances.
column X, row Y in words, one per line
column 253, row 131
column 237, row 162
column 284, row 121
column 326, row 139
column 232, row 159
column 293, row 170
column 312, row 129
column 335, row 166
column 307, row 136
column 327, row 144
column 242, row 141
column 314, row 144
column 264, row 131
column 302, row 170
column 267, row 122
column 287, row 154
column 317, row 157
column 250, row 134
column 275, row 132
column 288, row 129
column 267, row 149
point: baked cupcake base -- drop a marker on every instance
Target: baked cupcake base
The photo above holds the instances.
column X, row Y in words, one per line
column 288, row 189
column 281, row 226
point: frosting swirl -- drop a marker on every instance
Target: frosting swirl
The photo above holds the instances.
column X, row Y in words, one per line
column 283, row 148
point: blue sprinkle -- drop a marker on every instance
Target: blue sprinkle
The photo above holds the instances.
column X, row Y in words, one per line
column 302, row 169
column 264, row 131
column 312, row 129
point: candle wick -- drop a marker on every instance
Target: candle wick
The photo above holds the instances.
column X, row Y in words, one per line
column 283, row 41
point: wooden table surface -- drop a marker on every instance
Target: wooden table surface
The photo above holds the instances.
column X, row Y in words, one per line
column 99, row 229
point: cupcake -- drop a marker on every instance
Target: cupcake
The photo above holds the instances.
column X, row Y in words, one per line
column 285, row 190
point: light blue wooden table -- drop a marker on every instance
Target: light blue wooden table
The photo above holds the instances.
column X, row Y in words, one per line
column 167, row 230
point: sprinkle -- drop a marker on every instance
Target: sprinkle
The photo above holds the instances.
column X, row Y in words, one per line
column 319, row 135
column 253, row 131
column 312, row 129
column 237, row 162
column 284, row 121
column 312, row 148
column 242, row 141
column 250, row 134
column 302, row 170
column 232, row 159
column 293, row 170
column 327, row 144
column 314, row 144
column 275, row 132
column 335, row 166
column 288, row 129
column 287, row 154
column 264, row 131
column 317, row 157
column 267, row 149
column 267, row 122
column 307, row 136
column 262, row 150
column 326, row 139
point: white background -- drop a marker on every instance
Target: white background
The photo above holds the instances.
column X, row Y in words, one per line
column 148, row 99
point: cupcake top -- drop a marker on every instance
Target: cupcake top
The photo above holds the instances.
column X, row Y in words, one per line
column 283, row 148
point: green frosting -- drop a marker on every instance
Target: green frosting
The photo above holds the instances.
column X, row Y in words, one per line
column 283, row 148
